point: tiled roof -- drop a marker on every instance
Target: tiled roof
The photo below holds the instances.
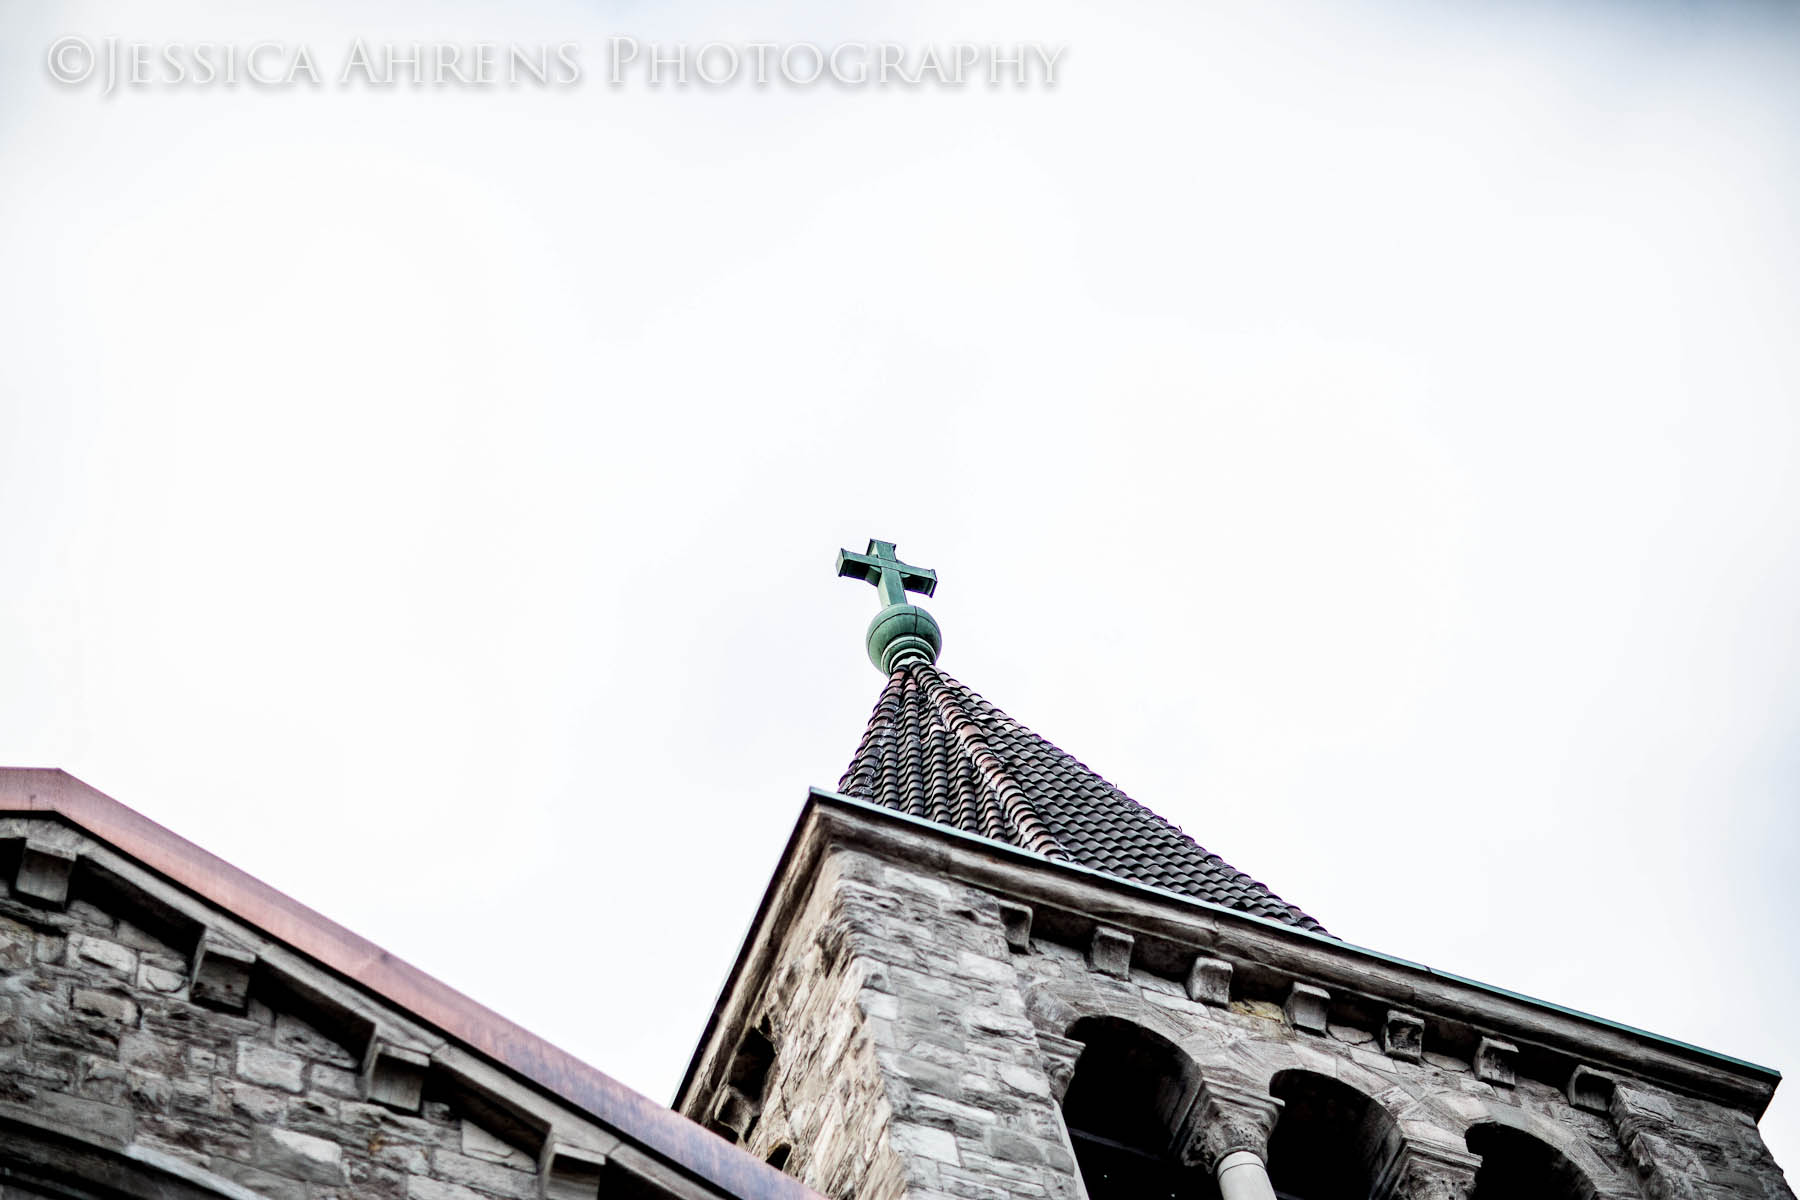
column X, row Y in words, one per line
column 937, row 750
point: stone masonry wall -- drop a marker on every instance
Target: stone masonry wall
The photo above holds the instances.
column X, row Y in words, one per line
column 822, row 1098
column 921, row 1048
column 905, row 1063
column 152, row 1043
column 1686, row 1149
column 1644, row 1141
column 99, row 1034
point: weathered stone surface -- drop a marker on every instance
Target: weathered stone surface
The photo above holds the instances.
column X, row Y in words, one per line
column 1227, row 1120
column 1016, row 920
column 1590, row 1090
column 1110, row 952
column 1209, row 981
column 258, row 1063
column 221, row 976
column 1494, row 1062
column 113, row 1006
column 1308, row 1007
column 1403, row 1036
column 44, row 871
column 571, row 1173
column 299, row 1155
column 394, row 1076
column 110, row 1036
column 915, row 1034
column 1429, row 1171
column 88, row 949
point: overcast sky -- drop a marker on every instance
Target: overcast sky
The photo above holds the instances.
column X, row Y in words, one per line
column 1367, row 433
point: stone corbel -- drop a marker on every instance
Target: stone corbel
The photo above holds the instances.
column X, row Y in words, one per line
column 1109, row 953
column 221, row 976
column 1403, row 1036
column 1496, row 1062
column 1590, row 1089
column 1308, row 1007
column 394, row 1076
column 1226, row 1120
column 1015, row 919
column 736, row 1112
column 44, row 871
column 567, row 1172
column 1209, row 981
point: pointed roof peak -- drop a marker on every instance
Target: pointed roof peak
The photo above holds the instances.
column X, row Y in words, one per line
column 937, row 750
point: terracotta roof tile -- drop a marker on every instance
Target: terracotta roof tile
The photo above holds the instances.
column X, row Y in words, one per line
column 937, row 750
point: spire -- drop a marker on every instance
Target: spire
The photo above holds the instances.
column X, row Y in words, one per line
column 936, row 750
column 900, row 632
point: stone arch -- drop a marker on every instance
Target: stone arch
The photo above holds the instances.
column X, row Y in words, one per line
column 1601, row 1179
column 62, row 1163
column 1057, row 1007
column 1132, row 1085
column 1126, row 1109
column 1332, row 1141
column 1516, row 1163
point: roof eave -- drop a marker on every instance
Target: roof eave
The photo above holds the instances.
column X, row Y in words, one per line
column 1681, row 1064
column 55, row 793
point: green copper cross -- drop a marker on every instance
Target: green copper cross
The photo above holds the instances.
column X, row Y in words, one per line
column 883, row 568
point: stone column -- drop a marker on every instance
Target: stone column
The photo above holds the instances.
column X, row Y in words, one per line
column 1227, row 1133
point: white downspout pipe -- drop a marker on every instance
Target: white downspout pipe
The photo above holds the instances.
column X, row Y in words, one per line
column 1242, row 1176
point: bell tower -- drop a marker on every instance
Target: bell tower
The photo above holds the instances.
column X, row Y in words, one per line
column 982, row 972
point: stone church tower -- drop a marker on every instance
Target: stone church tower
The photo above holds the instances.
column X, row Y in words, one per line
column 982, row 972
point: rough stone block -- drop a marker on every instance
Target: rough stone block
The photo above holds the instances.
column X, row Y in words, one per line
column 108, row 1121
column 270, row 1067
column 1403, row 1036
column 1590, row 1089
column 936, row 1144
column 1209, row 981
column 1495, row 1062
column 1308, row 1007
column 570, row 1173
column 160, row 979
column 85, row 949
column 1110, row 952
column 221, row 975
column 394, row 1076
column 1016, row 920
column 479, row 1143
column 300, row 1155
column 108, row 1005
column 44, row 872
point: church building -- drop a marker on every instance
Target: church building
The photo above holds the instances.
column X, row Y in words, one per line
column 980, row 972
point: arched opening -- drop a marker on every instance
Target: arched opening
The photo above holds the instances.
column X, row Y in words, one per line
column 1331, row 1142
column 42, row 1163
column 1517, row 1166
column 1129, row 1093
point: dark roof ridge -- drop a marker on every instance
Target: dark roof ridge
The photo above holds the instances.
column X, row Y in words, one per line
column 1027, row 827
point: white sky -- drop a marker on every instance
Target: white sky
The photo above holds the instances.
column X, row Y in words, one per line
column 1365, row 432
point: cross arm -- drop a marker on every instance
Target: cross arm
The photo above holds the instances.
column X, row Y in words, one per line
column 883, row 568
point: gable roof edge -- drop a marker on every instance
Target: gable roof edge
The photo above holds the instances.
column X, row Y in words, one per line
column 53, row 792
